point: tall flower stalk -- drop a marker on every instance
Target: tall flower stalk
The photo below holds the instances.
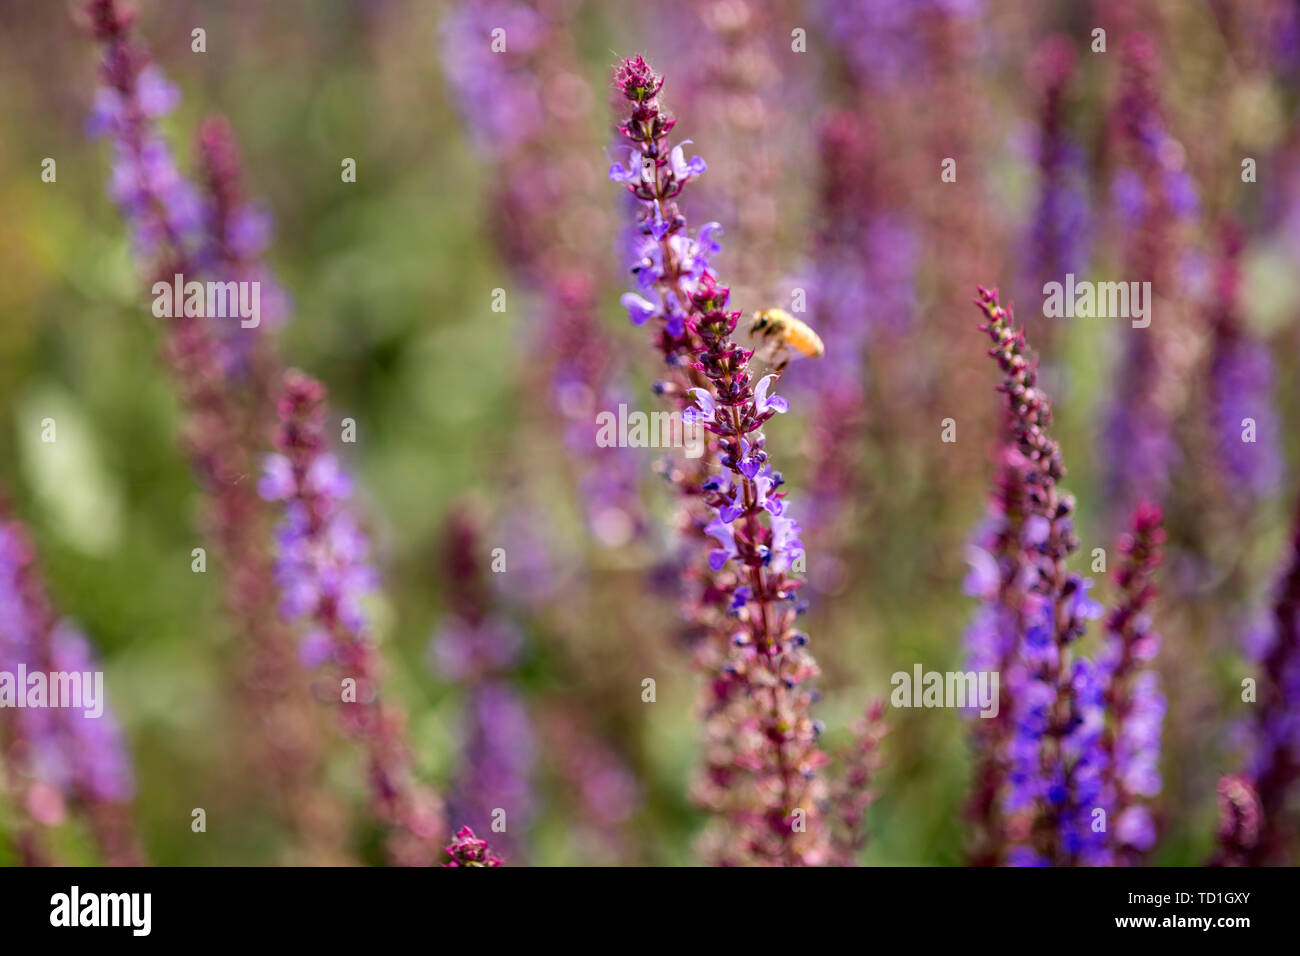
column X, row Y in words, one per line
column 763, row 743
column 863, row 290
column 1154, row 197
column 602, row 792
column 1057, row 242
column 1239, row 821
column 1066, row 776
column 1135, row 704
column 324, row 573
column 1240, row 390
column 1054, row 753
column 1000, row 574
column 58, row 759
column 529, row 113
column 222, row 379
column 854, row 790
column 480, row 650
column 1274, row 761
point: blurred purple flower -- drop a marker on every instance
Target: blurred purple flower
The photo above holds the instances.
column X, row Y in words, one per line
column 323, row 571
column 60, row 757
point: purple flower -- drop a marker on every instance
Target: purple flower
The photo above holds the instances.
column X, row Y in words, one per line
column 706, row 409
column 1240, row 820
column 323, row 572
column 639, row 309
column 500, row 96
column 1273, row 762
column 479, row 650
column 516, row 71
column 622, row 174
column 726, row 536
column 683, row 170
column 1242, row 411
column 497, row 758
column 62, row 757
column 762, row 403
column 1040, row 779
column 1058, row 238
column 759, row 734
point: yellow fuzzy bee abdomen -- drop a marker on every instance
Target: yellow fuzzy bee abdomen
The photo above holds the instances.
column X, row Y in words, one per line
column 781, row 325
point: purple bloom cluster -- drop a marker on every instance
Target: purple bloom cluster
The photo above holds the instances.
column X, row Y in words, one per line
column 1134, row 702
column 97, row 765
column 61, row 757
column 1058, row 238
column 322, row 565
column 528, row 110
column 1053, row 750
column 1154, row 196
column 1240, row 817
column 236, row 233
column 323, row 571
column 1082, row 737
column 1273, row 765
column 763, row 749
column 886, row 41
column 1241, row 388
column 999, row 577
column 497, row 759
column 479, row 650
column 487, row 47
column 163, row 209
column 1241, row 376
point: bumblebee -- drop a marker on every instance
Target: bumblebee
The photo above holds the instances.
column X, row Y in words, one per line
column 777, row 332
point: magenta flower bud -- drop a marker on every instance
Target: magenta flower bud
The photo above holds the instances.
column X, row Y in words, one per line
column 468, row 850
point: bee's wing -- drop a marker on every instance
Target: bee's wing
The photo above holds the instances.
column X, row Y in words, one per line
column 767, row 343
column 750, row 338
column 765, row 347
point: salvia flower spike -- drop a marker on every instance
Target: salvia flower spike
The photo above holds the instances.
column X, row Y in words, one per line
column 1135, row 704
column 58, row 759
column 1274, row 764
column 763, row 743
column 479, row 649
column 324, row 572
column 1054, row 755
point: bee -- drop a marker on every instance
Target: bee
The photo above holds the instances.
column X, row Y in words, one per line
column 777, row 332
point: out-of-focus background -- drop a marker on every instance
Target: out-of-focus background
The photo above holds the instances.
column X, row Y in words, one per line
column 392, row 280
